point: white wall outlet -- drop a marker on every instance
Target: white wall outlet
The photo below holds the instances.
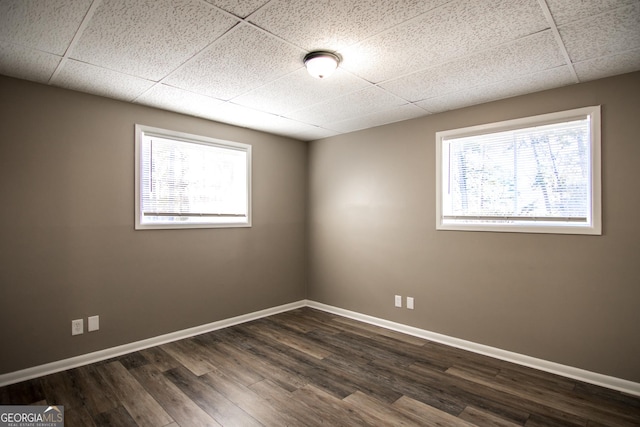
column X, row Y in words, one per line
column 77, row 327
column 93, row 324
column 410, row 303
column 398, row 301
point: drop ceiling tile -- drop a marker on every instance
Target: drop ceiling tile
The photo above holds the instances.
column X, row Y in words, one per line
column 243, row 59
column 149, row 38
column 313, row 134
column 25, row 63
column 598, row 68
column 603, row 35
column 405, row 112
column 547, row 79
column 349, row 106
column 299, row 90
column 100, row 81
column 565, row 11
column 182, row 54
column 171, row 98
column 238, row 115
column 334, row 25
column 293, row 129
column 456, row 29
column 527, row 55
column 242, row 8
column 48, row 26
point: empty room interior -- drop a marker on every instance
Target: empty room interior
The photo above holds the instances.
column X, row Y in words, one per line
column 439, row 229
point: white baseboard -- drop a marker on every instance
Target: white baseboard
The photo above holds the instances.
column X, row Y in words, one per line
column 614, row 383
column 85, row 359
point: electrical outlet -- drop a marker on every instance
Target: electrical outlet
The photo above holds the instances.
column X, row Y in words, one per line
column 410, row 303
column 93, row 323
column 77, row 327
column 398, row 301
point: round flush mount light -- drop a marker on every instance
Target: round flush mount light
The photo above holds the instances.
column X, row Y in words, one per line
column 321, row 64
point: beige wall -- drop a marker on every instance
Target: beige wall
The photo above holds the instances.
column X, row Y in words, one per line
column 570, row 299
column 67, row 242
column 68, row 248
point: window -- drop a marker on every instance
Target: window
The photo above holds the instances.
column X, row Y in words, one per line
column 189, row 181
column 536, row 175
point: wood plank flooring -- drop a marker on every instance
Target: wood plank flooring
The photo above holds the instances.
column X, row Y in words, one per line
column 310, row 368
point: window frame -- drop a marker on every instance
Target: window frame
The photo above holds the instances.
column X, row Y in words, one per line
column 143, row 130
column 594, row 221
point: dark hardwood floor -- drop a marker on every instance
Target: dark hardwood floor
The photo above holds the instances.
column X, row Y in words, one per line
column 307, row 368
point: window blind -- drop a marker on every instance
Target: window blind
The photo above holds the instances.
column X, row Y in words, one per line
column 540, row 173
column 191, row 181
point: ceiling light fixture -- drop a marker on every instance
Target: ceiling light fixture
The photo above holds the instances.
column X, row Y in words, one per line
column 321, row 64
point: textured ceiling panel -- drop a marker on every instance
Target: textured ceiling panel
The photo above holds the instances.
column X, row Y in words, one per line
column 335, row 24
column 149, row 38
column 25, row 63
column 44, row 25
column 523, row 56
column 239, row 8
column 602, row 67
column 566, row 11
column 100, row 81
column 228, row 112
column 456, row 29
column 310, row 133
column 247, row 117
column 531, row 83
column 171, row 98
column 603, row 35
column 241, row 62
column 243, row 59
column 352, row 105
column 299, row 90
column 405, row 112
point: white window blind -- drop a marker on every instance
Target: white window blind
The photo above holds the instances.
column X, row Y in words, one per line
column 190, row 181
column 533, row 174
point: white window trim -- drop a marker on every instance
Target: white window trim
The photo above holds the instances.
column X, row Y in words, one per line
column 594, row 227
column 141, row 131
